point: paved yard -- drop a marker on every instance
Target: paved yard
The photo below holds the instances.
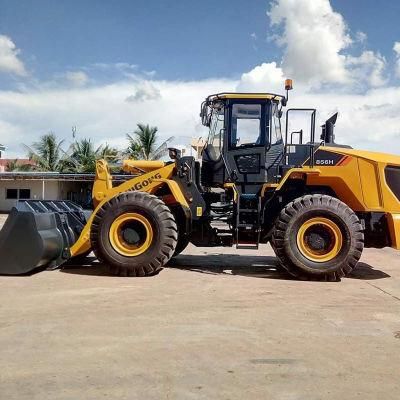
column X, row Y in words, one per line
column 216, row 324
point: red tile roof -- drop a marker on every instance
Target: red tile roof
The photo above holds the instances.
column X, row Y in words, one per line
column 21, row 161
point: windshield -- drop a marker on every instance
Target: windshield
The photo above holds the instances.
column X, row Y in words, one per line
column 216, row 137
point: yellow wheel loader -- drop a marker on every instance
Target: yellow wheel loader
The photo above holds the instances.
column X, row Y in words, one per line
column 317, row 202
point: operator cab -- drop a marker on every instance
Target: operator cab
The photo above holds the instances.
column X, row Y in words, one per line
column 245, row 144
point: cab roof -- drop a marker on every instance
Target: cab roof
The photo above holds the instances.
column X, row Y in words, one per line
column 258, row 96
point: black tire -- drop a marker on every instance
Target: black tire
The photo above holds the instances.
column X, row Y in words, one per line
column 161, row 245
column 290, row 227
column 183, row 242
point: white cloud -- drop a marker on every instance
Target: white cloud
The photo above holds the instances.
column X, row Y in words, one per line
column 367, row 68
column 396, row 49
column 101, row 112
column 361, row 37
column 9, row 61
column 316, row 42
column 313, row 37
column 77, row 78
column 145, row 90
column 267, row 77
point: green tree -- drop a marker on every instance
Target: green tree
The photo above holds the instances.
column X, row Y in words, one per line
column 107, row 152
column 46, row 153
column 15, row 165
column 12, row 166
column 83, row 156
column 134, row 150
column 143, row 144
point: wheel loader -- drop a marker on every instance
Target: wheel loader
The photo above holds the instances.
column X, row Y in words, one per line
column 316, row 202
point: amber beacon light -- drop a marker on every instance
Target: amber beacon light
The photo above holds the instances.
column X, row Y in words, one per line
column 288, row 84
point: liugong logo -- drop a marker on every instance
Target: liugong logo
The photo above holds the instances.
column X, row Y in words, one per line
column 146, row 182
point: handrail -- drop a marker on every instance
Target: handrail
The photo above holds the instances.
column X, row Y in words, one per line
column 313, row 113
column 312, row 133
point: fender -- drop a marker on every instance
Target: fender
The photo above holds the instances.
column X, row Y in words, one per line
column 103, row 192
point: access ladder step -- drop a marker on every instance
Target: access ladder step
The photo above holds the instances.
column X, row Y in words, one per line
column 247, row 226
column 247, row 246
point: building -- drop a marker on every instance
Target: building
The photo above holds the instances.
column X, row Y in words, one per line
column 197, row 145
column 44, row 185
column 16, row 186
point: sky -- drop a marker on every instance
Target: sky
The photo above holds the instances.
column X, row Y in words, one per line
column 104, row 66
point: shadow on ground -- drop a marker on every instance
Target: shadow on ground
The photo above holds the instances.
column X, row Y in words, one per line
column 229, row 264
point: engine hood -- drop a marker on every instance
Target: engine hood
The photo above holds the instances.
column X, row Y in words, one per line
column 368, row 155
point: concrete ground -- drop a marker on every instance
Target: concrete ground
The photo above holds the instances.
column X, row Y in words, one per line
column 215, row 324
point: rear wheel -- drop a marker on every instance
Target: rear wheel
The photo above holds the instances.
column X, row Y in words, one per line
column 318, row 237
column 134, row 233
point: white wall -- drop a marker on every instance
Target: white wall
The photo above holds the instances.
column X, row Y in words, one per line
column 51, row 191
column 54, row 190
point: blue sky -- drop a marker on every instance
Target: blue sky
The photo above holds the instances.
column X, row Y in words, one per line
column 106, row 65
column 177, row 39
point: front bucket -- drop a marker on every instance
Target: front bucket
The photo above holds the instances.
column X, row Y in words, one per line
column 38, row 235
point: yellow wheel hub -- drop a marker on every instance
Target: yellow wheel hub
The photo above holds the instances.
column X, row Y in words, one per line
column 131, row 234
column 319, row 239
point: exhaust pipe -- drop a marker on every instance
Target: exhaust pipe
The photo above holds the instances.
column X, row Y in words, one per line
column 328, row 135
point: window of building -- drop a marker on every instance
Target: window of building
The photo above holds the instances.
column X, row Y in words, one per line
column 24, row 194
column 12, row 194
column 15, row 194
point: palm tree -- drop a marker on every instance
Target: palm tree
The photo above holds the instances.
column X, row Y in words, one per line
column 84, row 155
column 134, row 149
column 46, row 153
column 107, row 152
column 15, row 165
column 143, row 145
column 12, row 166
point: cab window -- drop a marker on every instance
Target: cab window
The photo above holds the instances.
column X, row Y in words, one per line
column 216, row 135
column 276, row 132
column 246, row 125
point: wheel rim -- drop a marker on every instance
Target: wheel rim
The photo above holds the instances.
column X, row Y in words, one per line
column 131, row 234
column 319, row 239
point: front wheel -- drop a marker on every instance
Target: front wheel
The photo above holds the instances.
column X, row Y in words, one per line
column 134, row 233
column 318, row 237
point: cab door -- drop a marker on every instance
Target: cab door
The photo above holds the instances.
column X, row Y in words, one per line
column 275, row 147
column 247, row 132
